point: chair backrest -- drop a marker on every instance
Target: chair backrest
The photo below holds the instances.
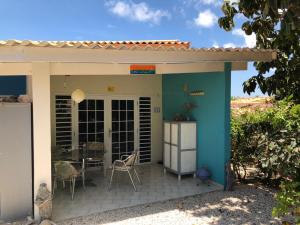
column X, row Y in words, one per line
column 65, row 170
column 56, row 152
column 131, row 160
column 94, row 149
column 96, row 146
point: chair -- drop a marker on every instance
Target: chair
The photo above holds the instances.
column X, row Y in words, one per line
column 95, row 155
column 127, row 165
column 56, row 153
column 65, row 171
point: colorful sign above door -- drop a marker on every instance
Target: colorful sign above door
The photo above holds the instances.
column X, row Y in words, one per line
column 142, row 69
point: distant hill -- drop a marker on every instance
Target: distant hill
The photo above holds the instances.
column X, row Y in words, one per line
column 241, row 105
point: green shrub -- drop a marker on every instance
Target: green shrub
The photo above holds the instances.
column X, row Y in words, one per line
column 270, row 141
column 288, row 200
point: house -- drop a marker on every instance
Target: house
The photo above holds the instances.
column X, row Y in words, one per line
column 161, row 73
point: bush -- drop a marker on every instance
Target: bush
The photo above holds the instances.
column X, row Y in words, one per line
column 288, row 200
column 270, row 141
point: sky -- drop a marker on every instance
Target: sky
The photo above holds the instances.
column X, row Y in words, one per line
column 185, row 20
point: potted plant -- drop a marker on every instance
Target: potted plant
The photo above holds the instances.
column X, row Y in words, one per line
column 188, row 109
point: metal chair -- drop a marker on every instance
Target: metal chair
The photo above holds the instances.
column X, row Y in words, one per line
column 127, row 165
column 65, row 171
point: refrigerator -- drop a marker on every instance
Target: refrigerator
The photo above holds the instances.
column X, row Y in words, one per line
column 15, row 161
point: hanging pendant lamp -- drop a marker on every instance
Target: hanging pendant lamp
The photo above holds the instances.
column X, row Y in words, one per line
column 78, row 95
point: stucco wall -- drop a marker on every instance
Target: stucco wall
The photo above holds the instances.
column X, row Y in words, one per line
column 211, row 114
column 147, row 85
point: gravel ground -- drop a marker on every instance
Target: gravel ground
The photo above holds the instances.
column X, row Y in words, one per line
column 246, row 205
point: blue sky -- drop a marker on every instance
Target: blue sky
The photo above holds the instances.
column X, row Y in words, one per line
column 187, row 20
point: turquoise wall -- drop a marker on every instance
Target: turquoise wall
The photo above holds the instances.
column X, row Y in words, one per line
column 212, row 114
column 12, row 85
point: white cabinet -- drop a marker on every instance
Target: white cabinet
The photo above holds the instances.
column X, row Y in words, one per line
column 180, row 145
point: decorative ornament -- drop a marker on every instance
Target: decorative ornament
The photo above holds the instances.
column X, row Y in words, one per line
column 78, row 96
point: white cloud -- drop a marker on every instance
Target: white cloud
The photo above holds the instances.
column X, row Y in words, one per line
column 140, row 12
column 210, row 2
column 250, row 40
column 215, row 44
column 206, row 19
column 229, row 45
column 197, row 4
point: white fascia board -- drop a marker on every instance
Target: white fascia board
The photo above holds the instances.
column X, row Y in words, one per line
column 48, row 54
column 115, row 68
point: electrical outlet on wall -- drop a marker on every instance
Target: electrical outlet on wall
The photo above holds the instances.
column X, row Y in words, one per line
column 156, row 109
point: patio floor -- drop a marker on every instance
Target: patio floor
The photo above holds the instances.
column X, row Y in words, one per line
column 156, row 186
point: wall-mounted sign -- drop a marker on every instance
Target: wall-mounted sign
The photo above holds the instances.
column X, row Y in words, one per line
column 142, row 69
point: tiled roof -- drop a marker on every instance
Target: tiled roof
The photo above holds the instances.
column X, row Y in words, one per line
column 159, row 45
column 150, row 44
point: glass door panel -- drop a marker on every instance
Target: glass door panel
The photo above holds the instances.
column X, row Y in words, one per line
column 91, row 121
column 122, row 128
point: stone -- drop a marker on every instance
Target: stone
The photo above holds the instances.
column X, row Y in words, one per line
column 47, row 222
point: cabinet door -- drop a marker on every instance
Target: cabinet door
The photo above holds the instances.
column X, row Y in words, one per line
column 167, row 132
column 174, row 133
column 167, row 155
column 188, row 135
column 174, row 158
column 188, row 161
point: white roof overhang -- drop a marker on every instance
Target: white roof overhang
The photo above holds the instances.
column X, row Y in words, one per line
column 79, row 61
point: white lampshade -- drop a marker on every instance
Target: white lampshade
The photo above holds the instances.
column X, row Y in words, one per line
column 78, row 96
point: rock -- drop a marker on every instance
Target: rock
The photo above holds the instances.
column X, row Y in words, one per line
column 47, row 222
column 221, row 210
column 180, row 205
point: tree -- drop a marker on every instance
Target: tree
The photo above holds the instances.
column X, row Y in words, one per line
column 276, row 24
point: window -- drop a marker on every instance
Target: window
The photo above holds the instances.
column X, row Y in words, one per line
column 63, row 121
column 145, row 129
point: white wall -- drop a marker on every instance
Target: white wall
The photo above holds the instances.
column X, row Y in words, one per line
column 146, row 85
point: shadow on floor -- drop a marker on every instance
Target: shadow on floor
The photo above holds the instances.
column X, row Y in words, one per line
column 156, row 186
column 246, row 205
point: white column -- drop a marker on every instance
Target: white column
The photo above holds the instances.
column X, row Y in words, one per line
column 29, row 86
column 41, row 126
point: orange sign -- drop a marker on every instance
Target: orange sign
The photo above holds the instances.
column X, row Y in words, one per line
column 142, row 69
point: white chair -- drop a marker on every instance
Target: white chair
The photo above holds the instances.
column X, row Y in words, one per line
column 127, row 165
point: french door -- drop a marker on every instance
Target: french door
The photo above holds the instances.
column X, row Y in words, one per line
column 123, row 128
column 123, row 124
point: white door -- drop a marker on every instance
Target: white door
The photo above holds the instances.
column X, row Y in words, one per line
column 122, row 127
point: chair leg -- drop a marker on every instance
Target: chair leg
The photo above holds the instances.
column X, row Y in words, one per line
column 54, row 186
column 136, row 174
column 131, row 180
column 73, row 181
column 83, row 180
column 104, row 171
column 111, row 178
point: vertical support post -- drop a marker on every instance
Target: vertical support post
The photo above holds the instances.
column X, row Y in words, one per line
column 29, row 85
column 227, row 135
column 41, row 127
